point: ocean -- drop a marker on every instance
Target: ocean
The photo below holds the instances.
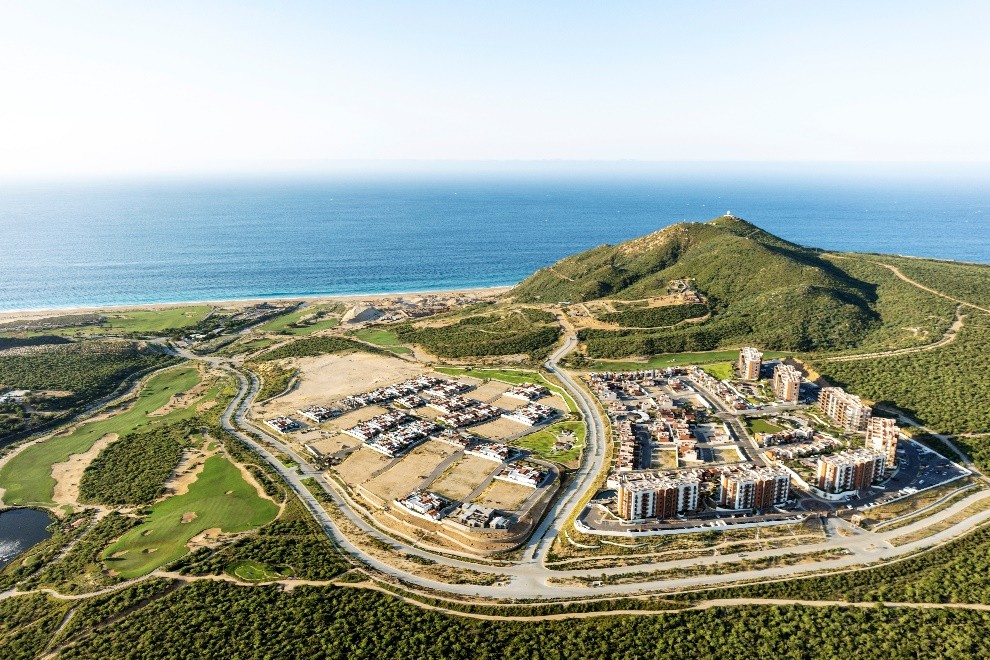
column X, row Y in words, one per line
column 91, row 244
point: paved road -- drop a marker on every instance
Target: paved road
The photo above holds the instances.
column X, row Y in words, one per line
column 529, row 577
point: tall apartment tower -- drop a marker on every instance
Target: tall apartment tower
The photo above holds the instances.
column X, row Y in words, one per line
column 644, row 495
column 849, row 470
column 747, row 487
column 750, row 361
column 881, row 437
column 786, row 383
column 847, row 410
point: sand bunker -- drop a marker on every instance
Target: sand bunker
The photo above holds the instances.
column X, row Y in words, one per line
column 205, row 538
column 187, row 471
column 188, row 517
column 68, row 474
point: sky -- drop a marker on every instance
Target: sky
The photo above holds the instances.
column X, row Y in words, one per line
column 91, row 88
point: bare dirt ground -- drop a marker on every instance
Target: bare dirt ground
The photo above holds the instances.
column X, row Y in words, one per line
column 488, row 391
column 463, row 477
column 504, row 495
column 329, row 378
column 402, row 478
column 509, row 403
column 360, row 465
column 68, row 474
column 499, row 429
column 327, row 446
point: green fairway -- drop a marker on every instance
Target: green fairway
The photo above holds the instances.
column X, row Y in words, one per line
column 27, row 478
column 512, row 376
column 377, row 336
column 757, row 425
column 384, row 338
column 219, row 498
column 541, row 443
column 149, row 321
column 677, row 360
column 257, row 572
column 287, row 323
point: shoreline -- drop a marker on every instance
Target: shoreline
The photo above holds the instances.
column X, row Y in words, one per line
column 27, row 314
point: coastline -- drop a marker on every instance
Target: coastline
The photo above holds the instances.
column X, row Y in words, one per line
column 17, row 314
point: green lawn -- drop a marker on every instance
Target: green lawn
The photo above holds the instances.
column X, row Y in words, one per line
column 219, row 498
column 254, row 571
column 27, row 479
column 720, row 370
column 677, row 360
column 541, row 443
column 285, row 324
column 512, row 376
column 377, row 336
column 758, row 425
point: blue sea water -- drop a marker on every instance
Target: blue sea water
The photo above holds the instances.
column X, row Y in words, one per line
column 66, row 245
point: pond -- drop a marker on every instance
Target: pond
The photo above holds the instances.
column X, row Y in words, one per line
column 19, row 530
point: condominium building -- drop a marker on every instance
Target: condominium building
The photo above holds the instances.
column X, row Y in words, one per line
column 750, row 361
column 881, row 437
column 645, row 495
column 786, row 383
column 846, row 410
column 850, row 470
column 750, row 487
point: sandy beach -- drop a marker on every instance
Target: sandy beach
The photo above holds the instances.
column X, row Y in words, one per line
column 14, row 315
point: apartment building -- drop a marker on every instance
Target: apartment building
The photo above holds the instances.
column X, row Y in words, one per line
column 750, row 487
column 881, row 437
column 644, row 495
column 846, row 410
column 750, row 361
column 849, row 470
column 786, row 383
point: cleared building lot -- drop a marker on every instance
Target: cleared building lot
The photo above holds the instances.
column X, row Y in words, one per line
column 463, row 477
column 409, row 472
column 504, row 495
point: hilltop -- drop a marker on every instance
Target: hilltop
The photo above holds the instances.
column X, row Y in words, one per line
column 756, row 286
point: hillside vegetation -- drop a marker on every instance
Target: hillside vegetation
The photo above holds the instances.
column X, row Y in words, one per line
column 504, row 332
column 760, row 289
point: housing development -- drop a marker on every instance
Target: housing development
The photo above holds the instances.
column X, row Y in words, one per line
column 381, row 446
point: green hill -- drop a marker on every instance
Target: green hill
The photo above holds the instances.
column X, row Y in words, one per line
column 760, row 288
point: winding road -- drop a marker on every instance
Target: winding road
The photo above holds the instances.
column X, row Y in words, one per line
column 530, row 577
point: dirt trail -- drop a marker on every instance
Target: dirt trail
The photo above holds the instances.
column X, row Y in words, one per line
column 947, row 338
column 896, row 271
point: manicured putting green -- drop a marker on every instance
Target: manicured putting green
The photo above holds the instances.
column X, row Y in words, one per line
column 27, row 477
column 254, row 571
column 219, row 498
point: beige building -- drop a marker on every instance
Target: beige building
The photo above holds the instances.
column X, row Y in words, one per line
column 749, row 487
column 881, row 437
column 644, row 495
column 846, row 410
column 849, row 470
column 786, row 383
column 750, row 361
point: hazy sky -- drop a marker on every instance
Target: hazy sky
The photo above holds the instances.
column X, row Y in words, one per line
column 94, row 87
